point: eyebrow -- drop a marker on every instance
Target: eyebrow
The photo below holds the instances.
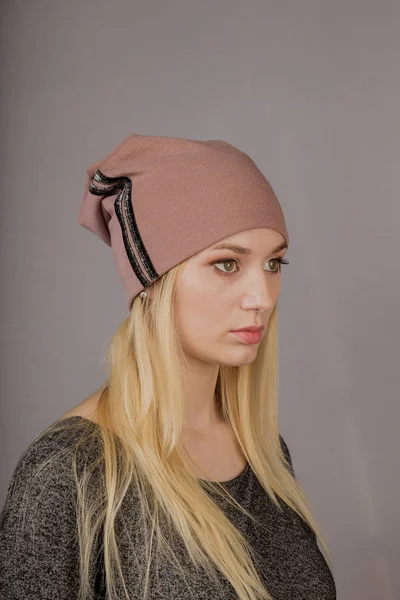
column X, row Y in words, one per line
column 242, row 250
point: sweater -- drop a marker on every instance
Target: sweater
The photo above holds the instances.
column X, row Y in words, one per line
column 39, row 551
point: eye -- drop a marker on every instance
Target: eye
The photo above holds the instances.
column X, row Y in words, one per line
column 277, row 260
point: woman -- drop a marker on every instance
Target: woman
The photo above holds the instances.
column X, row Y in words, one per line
column 172, row 480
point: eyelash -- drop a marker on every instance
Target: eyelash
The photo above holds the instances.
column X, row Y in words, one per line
column 280, row 261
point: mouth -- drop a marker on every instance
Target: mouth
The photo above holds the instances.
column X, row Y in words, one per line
column 252, row 328
column 249, row 336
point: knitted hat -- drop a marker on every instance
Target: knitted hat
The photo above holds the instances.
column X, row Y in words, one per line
column 156, row 201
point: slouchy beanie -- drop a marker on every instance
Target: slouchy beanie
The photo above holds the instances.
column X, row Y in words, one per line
column 157, row 201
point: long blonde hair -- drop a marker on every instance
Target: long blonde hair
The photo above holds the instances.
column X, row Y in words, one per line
column 141, row 412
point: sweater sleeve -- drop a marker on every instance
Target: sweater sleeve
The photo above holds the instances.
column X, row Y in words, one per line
column 39, row 554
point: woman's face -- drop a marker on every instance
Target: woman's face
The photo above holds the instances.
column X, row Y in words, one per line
column 222, row 289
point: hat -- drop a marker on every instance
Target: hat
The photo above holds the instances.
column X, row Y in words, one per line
column 157, row 201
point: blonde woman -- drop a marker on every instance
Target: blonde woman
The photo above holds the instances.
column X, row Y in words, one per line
column 172, row 481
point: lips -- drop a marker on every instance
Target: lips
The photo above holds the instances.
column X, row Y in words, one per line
column 252, row 328
column 249, row 337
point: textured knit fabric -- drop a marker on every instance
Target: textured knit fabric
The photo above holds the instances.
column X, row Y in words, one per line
column 159, row 200
column 40, row 561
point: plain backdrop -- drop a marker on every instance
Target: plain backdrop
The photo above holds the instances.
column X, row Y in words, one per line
column 310, row 89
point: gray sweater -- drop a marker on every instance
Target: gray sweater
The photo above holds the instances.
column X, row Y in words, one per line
column 41, row 560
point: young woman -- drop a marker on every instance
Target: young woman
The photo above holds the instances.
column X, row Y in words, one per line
column 172, row 481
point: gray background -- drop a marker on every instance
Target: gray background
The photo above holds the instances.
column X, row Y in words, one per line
column 311, row 90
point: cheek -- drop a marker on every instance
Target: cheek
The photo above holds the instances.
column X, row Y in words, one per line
column 200, row 313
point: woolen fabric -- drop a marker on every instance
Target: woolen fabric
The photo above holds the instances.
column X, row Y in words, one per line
column 157, row 201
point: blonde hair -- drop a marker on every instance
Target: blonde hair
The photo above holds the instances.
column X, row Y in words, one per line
column 140, row 443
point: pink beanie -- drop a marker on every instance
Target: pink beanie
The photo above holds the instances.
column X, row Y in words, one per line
column 159, row 200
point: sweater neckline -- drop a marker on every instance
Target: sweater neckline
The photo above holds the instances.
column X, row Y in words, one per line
column 229, row 482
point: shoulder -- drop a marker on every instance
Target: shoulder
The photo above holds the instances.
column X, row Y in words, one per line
column 284, row 446
column 58, row 439
column 286, row 453
column 46, row 464
column 38, row 526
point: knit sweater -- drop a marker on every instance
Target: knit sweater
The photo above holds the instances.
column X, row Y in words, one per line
column 39, row 551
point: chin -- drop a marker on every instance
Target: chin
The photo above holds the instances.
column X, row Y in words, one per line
column 238, row 361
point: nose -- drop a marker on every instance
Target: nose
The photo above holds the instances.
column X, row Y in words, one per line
column 262, row 295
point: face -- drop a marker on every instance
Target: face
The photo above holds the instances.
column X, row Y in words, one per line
column 221, row 290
